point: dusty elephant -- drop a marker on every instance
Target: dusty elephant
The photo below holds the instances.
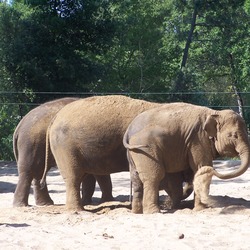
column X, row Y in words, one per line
column 91, row 135
column 29, row 150
column 176, row 136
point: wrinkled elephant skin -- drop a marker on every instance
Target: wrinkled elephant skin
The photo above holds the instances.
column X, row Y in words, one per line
column 178, row 136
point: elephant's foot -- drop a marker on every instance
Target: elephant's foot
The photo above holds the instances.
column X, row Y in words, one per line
column 107, row 198
column 199, row 207
column 74, row 208
column 137, row 206
column 86, row 202
column 42, row 202
column 20, row 199
column 73, row 200
column 175, row 204
column 17, row 203
column 42, row 197
column 153, row 209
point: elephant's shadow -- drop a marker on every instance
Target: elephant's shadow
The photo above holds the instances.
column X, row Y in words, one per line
column 107, row 206
column 226, row 204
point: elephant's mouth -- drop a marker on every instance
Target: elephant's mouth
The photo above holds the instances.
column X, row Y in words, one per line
column 228, row 151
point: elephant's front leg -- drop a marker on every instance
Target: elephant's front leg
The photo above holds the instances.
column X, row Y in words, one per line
column 88, row 189
column 105, row 184
column 202, row 181
column 172, row 183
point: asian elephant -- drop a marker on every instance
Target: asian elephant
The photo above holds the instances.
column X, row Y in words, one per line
column 89, row 140
column 173, row 137
column 29, row 150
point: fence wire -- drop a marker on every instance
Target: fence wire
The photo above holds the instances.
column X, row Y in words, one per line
column 216, row 100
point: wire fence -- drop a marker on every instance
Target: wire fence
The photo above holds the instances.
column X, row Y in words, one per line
column 219, row 100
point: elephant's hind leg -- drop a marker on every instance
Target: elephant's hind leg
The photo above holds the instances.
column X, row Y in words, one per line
column 137, row 192
column 21, row 194
column 105, row 184
column 150, row 173
column 42, row 197
column 150, row 197
column 73, row 197
column 73, row 177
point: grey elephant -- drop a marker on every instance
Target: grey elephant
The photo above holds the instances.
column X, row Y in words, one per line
column 173, row 137
column 29, row 150
column 89, row 141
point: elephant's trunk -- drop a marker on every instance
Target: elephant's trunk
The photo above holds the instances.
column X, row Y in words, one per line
column 245, row 162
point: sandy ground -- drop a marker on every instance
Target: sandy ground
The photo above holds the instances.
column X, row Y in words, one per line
column 226, row 225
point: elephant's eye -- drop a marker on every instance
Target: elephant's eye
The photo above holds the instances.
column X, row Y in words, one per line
column 233, row 135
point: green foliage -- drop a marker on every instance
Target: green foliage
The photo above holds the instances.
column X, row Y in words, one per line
column 8, row 120
column 247, row 6
column 51, row 47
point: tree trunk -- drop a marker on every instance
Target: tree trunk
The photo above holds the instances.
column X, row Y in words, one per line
column 189, row 39
column 235, row 86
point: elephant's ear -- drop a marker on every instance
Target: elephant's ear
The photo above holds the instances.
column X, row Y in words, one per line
column 210, row 125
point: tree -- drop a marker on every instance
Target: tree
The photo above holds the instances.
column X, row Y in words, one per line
column 135, row 62
column 52, row 47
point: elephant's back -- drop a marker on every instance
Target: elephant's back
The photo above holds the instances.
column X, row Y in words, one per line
column 96, row 123
column 42, row 115
column 31, row 130
column 116, row 102
column 102, row 111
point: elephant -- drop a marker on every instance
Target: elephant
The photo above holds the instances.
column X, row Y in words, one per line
column 29, row 150
column 89, row 141
column 176, row 136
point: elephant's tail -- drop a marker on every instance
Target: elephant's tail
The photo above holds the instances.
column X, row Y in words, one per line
column 47, row 153
column 128, row 146
column 15, row 149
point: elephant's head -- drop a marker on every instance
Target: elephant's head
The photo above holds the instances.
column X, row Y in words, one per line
column 230, row 134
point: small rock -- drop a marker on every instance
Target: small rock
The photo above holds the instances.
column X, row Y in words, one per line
column 181, row 236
